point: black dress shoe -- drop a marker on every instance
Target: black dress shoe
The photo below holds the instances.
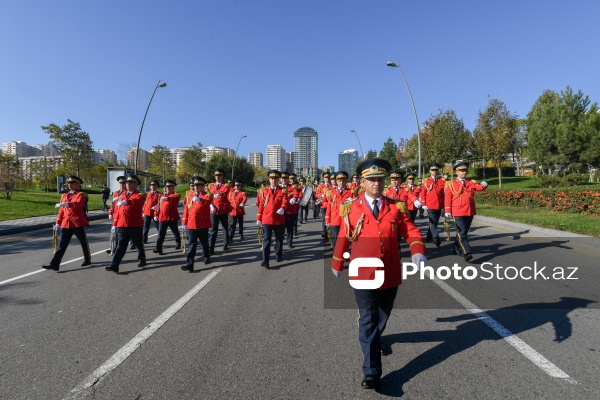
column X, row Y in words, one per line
column 241, row 237
column 224, row 247
column 52, row 267
column 85, row 263
column 370, row 382
column 159, row 252
column 142, row 263
column 279, row 259
column 178, row 247
column 438, row 242
column 211, row 251
column 323, row 235
column 428, row 240
column 112, row 269
column 453, row 251
column 145, row 241
column 386, row 349
column 291, row 246
column 207, row 261
column 132, row 247
column 468, row 257
column 264, row 264
column 188, row 268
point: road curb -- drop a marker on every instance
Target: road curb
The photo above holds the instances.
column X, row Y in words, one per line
column 535, row 230
column 29, row 228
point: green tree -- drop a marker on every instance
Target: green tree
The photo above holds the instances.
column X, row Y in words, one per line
column 260, row 174
column 495, row 133
column 192, row 163
column 541, row 131
column 388, row 152
column 161, row 162
column 243, row 170
column 10, row 175
column 44, row 172
column 73, row 144
column 447, row 139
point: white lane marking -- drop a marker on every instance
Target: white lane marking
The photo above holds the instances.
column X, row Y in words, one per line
column 539, row 360
column 62, row 263
column 84, row 388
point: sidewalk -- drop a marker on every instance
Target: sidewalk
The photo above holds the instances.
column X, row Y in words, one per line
column 30, row 224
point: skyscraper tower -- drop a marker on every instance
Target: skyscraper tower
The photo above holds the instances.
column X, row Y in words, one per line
column 306, row 152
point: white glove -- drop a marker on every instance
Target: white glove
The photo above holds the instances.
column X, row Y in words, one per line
column 327, row 224
column 110, row 216
column 417, row 203
column 63, row 204
column 484, row 184
column 293, row 200
column 448, row 215
column 115, row 199
column 153, row 208
column 417, row 258
column 121, row 203
column 217, row 195
column 184, row 227
column 241, row 204
column 164, row 198
column 281, row 211
column 424, row 208
column 258, row 223
column 113, row 229
column 338, row 274
column 156, row 219
column 213, row 208
column 196, row 199
column 56, row 227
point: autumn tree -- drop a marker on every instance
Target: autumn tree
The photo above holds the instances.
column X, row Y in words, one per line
column 495, row 133
column 73, row 144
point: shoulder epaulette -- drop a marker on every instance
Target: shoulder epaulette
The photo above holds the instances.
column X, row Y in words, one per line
column 399, row 203
column 84, row 194
column 143, row 195
column 473, row 180
column 346, row 206
column 284, row 190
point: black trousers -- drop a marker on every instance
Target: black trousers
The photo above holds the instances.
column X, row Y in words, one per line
column 233, row 223
column 217, row 219
column 124, row 235
column 374, row 307
column 147, row 222
column 63, row 242
column 434, row 219
column 316, row 211
column 412, row 214
column 303, row 213
column 289, row 227
column 192, row 236
column 461, row 243
column 162, row 232
column 267, row 236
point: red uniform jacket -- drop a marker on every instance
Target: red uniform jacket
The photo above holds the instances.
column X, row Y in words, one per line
column 432, row 193
column 236, row 199
column 116, row 195
column 151, row 201
column 294, row 192
column 220, row 198
column 168, row 208
column 271, row 202
column 377, row 239
column 325, row 194
column 396, row 193
column 196, row 215
column 129, row 215
column 459, row 200
column 72, row 216
column 412, row 194
column 259, row 193
column 333, row 207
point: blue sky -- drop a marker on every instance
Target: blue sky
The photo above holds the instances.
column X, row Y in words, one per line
column 267, row 68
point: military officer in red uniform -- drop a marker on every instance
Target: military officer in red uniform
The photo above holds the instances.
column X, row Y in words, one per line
column 196, row 222
column 395, row 190
column 339, row 195
column 128, row 223
column 432, row 196
column 168, row 216
column 150, row 206
column 324, row 191
column 71, row 221
column 412, row 196
column 219, row 212
column 295, row 186
column 237, row 199
column 372, row 223
column 122, row 189
column 270, row 217
column 303, row 210
column 355, row 184
column 459, row 203
column 290, row 212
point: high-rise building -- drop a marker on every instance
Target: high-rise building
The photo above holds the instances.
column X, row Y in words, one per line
column 347, row 159
column 177, row 154
column 210, row 151
column 142, row 160
column 104, row 156
column 255, row 159
column 275, row 157
column 289, row 162
column 306, row 152
column 17, row 148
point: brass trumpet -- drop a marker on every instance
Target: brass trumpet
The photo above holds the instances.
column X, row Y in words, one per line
column 54, row 239
column 113, row 244
column 183, row 233
column 260, row 236
column 447, row 228
column 329, row 235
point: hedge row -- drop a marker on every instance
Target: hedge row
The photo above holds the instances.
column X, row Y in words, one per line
column 575, row 201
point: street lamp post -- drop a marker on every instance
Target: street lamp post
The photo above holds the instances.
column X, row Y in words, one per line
column 361, row 150
column 396, row 65
column 137, row 149
column 235, row 155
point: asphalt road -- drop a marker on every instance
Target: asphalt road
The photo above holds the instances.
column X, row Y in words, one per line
column 237, row 331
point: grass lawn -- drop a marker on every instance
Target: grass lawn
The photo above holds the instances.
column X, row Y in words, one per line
column 571, row 222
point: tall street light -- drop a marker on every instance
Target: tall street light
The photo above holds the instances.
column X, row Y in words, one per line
column 395, row 64
column 235, row 155
column 361, row 150
column 137, row 149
